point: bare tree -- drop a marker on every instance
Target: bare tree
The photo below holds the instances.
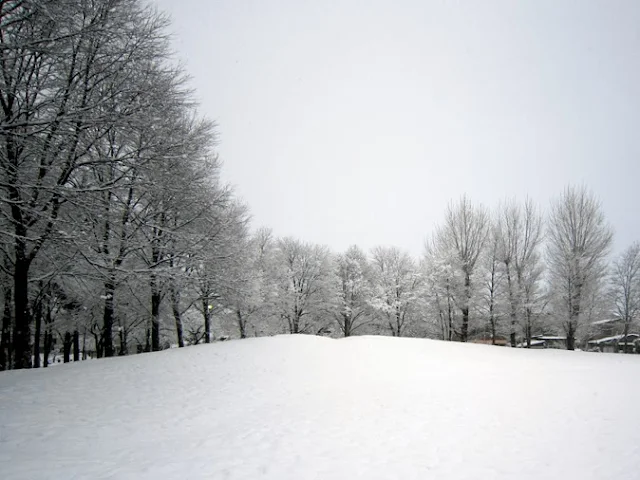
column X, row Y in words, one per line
column 520, row 238
column 579, row 241
column 625, row 285
column 463, row 235
column 396, row 280
column 440, row 286
column 306, row 285
column 493, row 280
column 355, row 295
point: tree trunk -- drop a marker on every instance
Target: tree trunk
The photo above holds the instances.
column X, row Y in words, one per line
column 107, row 318
column 574, row 317
column 67, row 347
column 347, row 324
column 241, row 324
column 147, row 336
column 38, row 332
column 570, row 338
column 5, row 333
column 48, row 340
column 76, row 346
column 464, row 332
column 124, row 350
column 48, row 334
column 155, row 314
column 22, row 324
column 177, row 316
column 207, row 320
column 512, row 303
column 492, row 320
column 99, row 345
column 450, row 315
column 625, row 333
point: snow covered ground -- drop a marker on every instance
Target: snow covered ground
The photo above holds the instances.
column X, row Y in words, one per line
column 299, row 407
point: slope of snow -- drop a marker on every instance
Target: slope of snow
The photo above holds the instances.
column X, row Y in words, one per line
column 299, row 407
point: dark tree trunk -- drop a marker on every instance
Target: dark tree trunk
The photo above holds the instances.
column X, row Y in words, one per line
column 38, row 333
column 207, row 320
column 99, row 344
column 76, row 346
column 574, row 315
column 155, row 314
column 22, row 324
column 67, row 347
column 241, row 324
column 177, row 316
column 124, row 350
column 450, row 314
column 492, row 319
column 571, row 342
column 626, row 348
column 5, row 333
column 512, row 303
column 464, row 332
column 465, row 324
column 147, row 345
column 347, row 324
column 107, row 318
column 48, row 335
column 48, row 340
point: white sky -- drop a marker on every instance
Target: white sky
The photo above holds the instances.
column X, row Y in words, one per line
column 348, row 122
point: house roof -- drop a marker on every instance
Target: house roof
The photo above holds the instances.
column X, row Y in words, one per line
column 534, row 343
column 550, row 338
column 605, row 321
column 615, row 338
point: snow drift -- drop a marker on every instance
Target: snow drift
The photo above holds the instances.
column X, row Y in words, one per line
column 300, row 407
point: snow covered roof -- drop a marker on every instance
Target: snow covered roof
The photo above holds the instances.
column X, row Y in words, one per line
column 605, row 321
column 550, row 338
column 534, row 343
column 615, row 338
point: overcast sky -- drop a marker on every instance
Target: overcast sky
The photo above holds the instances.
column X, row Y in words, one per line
column 347, row 122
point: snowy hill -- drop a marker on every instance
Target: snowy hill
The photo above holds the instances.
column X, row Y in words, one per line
column 299, row 407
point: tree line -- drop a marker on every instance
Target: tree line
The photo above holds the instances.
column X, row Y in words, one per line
column 119, row 237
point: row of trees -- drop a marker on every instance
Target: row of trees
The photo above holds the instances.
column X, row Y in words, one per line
column 509, row 273
column 118, row 235
column 111, row 202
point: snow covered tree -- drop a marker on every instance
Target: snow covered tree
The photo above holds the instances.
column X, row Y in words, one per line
column 62, row 63
column 462, row 238
column 355, row 294
column 250, row 299
column 441, row 285
column 396, row 281
column 520, row 230
column 579, row 241
column 625, row 285
column 307, row 286
column 492, row 289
